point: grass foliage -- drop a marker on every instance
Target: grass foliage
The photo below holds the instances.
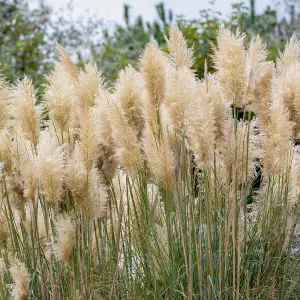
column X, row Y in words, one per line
column 165, row 187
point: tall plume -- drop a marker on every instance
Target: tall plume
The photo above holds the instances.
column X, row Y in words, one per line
column 127, row 145
column 152, row 67
column 179, row 53
column 88, row 145
column 59, row 96
column 181, row 89
column 90, row 83
column 66, row 62
column 209, row 90
column 51, row 164
column 101, row 113
column 160, row 159
column 290, row 55
column 201, row 131
column 276, row 141
column 27, row 161
column 129, row 94
column 85, row 187
column 25, row 110
column 64, row 242
column 21, row 279
column 229, row 61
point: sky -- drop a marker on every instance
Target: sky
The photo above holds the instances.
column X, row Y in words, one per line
column 112, row 10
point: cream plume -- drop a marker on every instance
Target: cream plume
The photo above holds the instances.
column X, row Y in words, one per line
column 90, row 83
column 9, row 150
column 59, row 96
column 25, row 110
column 294, row 179
column 66, row 62
column 127, row 146
column 85, row 187
column 179, row 53
column 201, row 131
column 64, row 242
column 256, row 57
column 160, row 159
column 238, row 151
column 276, row 140
column 76, row 175
column 290, row 55
column 21, row 278
column 260, row 95
column 27, row 161
column 106, row 161
column 181, row 89
column 96, row 205
column 152, row 66
column 51, row 164
column 101, row 114
column 209, row 89
column 129, row 94
column 89, row 147
column 229, row 61
column 287, row 90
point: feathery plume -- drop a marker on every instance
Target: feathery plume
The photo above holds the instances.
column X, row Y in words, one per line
column 88, row 145
column 129, row 95
column 59, row 96
column 66, row 62
column 290, row 55
column 85, row 187
column 201, row 132
column 127, row 146
column 209, row 89
column 276, row 140
column 153, row 71
column 90, row 83
column 106, row 161
column 179, row 53
column 96, row 205
column 238, row 152
column 294, row 178
column 28, row 168
column 256, row 57
column 229, row 61
column 76, row 175
column 101, row 114
column 24, row 110
column 64, row 243
column 287, row 90
column 160, row 159
column 9, row 150
column 21, row 278
column 50, row 167
column 260, row 95
column 180, row 91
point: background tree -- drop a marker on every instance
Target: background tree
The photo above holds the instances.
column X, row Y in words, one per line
column 28, row 36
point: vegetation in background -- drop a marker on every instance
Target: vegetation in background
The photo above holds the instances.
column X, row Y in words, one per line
column 26, row 35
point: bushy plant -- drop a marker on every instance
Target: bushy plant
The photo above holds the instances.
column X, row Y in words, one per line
column 145, row 191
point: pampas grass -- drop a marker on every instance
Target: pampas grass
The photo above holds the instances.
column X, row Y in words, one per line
column 157, row 188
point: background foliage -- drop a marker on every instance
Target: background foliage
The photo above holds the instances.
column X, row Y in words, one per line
column 28, row 36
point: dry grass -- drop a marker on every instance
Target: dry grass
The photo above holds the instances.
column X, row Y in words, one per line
column 147, row 191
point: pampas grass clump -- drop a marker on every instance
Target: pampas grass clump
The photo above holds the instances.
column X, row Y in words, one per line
column 158, row 187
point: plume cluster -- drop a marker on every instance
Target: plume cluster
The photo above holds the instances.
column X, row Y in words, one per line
column 137, row 180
